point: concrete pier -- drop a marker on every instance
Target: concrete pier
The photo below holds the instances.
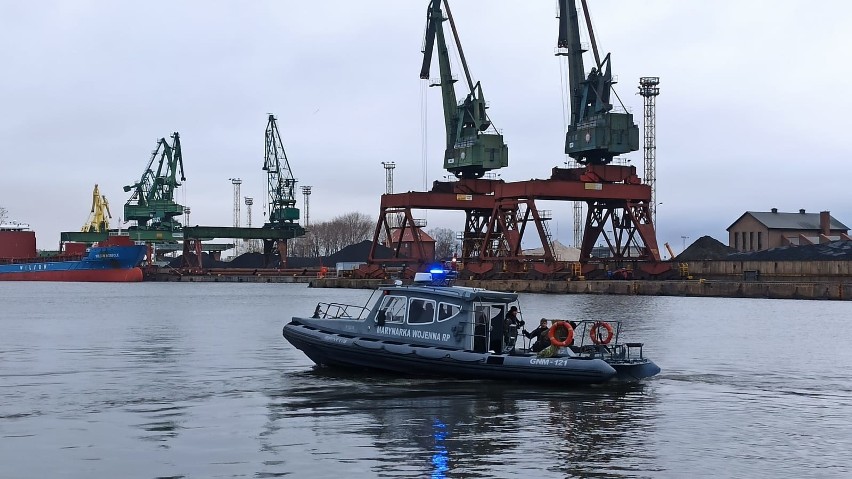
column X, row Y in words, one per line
column 835, row 290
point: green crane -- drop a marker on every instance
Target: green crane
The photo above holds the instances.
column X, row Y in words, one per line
column 151, row 205
column 280, row 181
column 596, row 133
column 473, row 146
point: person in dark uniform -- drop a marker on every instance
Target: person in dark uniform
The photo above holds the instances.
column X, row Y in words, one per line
column 539, row 336
column 511, row 326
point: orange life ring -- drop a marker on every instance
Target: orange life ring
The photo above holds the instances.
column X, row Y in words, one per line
column 593, row 333
column 569, row 334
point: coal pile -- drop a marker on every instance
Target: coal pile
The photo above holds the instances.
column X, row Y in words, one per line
column 351, row 254
column 246, row 260
column 358, row 252
column 832, row 251
column 705, row 248
column 207, row 261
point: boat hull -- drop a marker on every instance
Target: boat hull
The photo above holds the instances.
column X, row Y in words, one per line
column 330, row 349
column 111, row 263
column 127, row 275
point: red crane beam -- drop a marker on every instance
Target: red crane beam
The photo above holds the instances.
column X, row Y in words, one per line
column 496, row 221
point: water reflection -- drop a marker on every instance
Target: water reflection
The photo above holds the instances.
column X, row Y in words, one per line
column 440, row 456
column 155, row 352
column 469, row 428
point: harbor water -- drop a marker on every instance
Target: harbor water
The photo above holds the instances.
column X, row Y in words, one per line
column 156, row 380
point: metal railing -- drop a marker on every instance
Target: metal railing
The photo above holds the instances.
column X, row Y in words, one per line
column 340, row 311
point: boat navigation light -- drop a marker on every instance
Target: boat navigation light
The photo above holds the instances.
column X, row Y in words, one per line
column 422, row 277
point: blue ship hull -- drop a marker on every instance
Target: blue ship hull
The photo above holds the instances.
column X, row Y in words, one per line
column 101, row 263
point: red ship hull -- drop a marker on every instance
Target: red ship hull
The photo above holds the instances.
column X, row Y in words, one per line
column 124, row 275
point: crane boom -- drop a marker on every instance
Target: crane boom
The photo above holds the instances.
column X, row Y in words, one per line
column 99, row 216
column 471, row 150
column 597, row 133
column 152, row 205
column 281, row 186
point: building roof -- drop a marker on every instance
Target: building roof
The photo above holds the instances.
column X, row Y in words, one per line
column 408, row 236
column 790, row 221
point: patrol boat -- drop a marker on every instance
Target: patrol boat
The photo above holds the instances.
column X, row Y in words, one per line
column 433, row 328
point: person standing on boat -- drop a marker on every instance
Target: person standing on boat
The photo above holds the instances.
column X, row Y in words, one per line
column 511, row 326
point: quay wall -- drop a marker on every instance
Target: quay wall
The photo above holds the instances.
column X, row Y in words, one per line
column 227, row 278
column 835, row 290
column 805, row 271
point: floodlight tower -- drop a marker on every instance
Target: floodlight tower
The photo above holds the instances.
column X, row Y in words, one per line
column 389, row 166
column 649, row 88
column 249, row 201
column 236, row 182
column 306, row 193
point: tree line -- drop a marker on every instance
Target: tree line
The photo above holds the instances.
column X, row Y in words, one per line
column 328, row 237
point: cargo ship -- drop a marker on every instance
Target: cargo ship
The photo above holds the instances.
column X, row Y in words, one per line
column 116, row 259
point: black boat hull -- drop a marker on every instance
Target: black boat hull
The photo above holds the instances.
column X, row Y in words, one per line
column 332, row 349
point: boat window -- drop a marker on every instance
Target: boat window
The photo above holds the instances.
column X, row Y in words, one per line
column 421, row 311
column 394, row 308
column 447, row 311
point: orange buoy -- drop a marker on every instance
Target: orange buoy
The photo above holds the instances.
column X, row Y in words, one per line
column 569, row 334
column 598, row 339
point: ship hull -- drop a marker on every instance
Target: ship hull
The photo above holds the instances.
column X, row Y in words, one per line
column 114, row 264
column 128, row 275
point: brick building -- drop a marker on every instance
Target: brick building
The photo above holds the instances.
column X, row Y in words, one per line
column 758, row 230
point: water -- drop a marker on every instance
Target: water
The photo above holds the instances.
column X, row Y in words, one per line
column 194, row 380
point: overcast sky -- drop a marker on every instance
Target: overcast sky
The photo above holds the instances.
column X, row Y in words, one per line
column 749, row 116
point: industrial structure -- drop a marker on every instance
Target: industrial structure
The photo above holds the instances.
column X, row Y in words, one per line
column 237, row 183
column 499, row 213
column 283, row 217
column 99, row 215
column 473, row 145
column 151, row 208
column 763, row 230
column 649, row 88
column 306, row 199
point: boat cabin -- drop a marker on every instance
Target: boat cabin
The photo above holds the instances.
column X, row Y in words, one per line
column 431, row 314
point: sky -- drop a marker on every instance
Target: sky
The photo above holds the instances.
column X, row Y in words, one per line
column 748, row 118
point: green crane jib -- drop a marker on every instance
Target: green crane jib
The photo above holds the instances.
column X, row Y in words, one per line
column 281, row 184
column 152, row 205
column 596, row 133
column 470, row 151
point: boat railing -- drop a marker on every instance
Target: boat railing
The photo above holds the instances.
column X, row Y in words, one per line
column 339, row 311
column 601, row 346
column 42, row 259
column 612, row 349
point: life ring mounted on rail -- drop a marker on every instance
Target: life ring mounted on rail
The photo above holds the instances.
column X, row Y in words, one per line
column 553, row 331
column 599, row 338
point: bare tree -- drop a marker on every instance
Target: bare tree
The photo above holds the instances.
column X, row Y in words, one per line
column 445, row 242
column 328, row 237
